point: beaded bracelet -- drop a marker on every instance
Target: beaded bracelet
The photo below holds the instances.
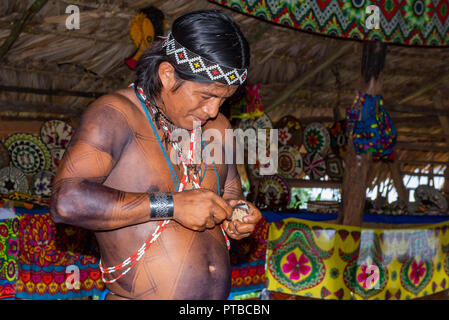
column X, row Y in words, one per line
column 161, row 206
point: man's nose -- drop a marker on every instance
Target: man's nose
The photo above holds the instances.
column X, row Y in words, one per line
column 211, row 108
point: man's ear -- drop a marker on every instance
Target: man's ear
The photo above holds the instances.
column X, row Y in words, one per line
column 167, row 75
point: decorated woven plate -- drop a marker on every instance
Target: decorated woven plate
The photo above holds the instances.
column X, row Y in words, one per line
column 316, row 138
column 334, row 166
column 56, row 133
column 245, row 124
column 274, row 191
column 314, row 165
column 42, row 183
column 290, row 162
column 290, row 131
column 338, row 136
column 263, row 122
column 12, row 180
column 4, row 156
column 254, row 169
column 56, row 157
column 28, row 153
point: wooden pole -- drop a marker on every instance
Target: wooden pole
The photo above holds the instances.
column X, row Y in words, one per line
column 354, row 186
column 18, row 26
column 355, row 179
column 398, row 181
column 444, row 120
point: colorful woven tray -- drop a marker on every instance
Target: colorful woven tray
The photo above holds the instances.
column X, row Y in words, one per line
column 290, row 131
column 316, row 138
column 12, row 180
column 314, row 166
column 56, row 157
column 338, row 137
column 28, row 153
column 42, row 183
column 334, row 167
column 56, row 133
column 274, row 192
column 290, row 164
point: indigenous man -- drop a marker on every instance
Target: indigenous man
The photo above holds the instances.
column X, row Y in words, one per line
column 161, row 226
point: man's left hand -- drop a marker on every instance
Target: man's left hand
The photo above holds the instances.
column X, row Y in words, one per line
column 238, row 230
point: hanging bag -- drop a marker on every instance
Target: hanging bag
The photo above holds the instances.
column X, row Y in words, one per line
column 371, row 132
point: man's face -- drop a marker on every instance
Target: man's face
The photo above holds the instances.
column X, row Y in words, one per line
column 194, row 101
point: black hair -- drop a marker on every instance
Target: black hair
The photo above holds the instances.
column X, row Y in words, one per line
column 373, row 59
column 208, row 33
column 156, row 17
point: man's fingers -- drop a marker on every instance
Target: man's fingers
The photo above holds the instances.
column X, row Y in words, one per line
column 210, row 223
column 224, row 205
column 218, row 214
column 230, row 227
column 233, row 202
column 244, row 227
column 251, row 219
column 231, row 231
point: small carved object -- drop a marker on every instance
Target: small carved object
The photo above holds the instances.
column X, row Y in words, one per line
column 240, row 210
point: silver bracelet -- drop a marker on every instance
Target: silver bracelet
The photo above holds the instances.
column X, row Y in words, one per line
column 161, row 206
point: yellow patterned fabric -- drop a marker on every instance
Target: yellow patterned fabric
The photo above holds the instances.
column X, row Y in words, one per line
column 329, row 261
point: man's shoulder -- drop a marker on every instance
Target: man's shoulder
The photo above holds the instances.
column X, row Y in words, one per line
column 120, row 100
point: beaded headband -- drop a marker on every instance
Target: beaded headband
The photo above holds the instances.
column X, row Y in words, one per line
column 199, row 65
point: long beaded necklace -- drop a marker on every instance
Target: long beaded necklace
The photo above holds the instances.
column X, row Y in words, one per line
column 190, row 174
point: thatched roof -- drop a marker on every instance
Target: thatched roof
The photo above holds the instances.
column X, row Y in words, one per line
column 64, row 65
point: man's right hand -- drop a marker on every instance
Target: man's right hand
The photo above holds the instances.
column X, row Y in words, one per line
column 200, row 209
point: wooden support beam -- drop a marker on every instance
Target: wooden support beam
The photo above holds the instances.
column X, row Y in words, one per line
column 18, row 26
column 51, row 92
column 421, row 147
column 301, row 183
column 423, row 162
column 403, row 108
column 291, row 89
column 423, row 135
column 354, row 186
column 443, row 78
column 35, row 30
column 13, row 115
column 19, row 109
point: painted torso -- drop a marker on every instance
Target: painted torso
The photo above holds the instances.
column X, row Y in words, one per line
column 181, row 264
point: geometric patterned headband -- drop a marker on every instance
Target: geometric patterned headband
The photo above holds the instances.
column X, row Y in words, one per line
column 199, row 65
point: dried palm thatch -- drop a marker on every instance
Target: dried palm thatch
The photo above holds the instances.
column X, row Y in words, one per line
column 62, row 63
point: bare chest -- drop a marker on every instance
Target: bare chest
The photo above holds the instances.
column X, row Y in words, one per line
column 148, row 166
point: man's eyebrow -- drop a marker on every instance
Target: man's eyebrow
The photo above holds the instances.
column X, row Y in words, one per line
column 211, row 94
